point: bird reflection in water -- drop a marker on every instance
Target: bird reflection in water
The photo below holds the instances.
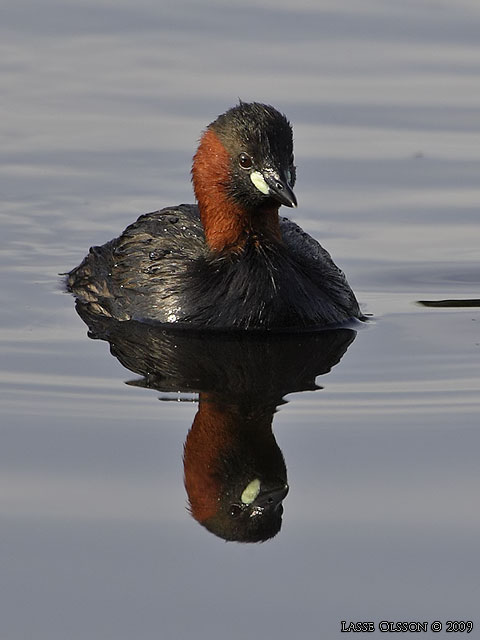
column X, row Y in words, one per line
column 235, row 473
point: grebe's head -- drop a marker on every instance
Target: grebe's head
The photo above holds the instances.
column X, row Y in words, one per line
column 259, row 141
column 242, row 172
column 249, row 152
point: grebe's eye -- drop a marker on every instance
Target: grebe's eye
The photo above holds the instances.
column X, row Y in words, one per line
column 245, row 161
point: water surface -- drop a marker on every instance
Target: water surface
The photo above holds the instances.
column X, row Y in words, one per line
column 102, row 106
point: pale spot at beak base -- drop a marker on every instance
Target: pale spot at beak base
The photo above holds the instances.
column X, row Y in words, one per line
column 259, row 182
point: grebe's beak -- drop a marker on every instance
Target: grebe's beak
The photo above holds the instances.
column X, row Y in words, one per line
column 279, row 187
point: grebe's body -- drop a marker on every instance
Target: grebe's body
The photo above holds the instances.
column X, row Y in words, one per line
column 231, row 262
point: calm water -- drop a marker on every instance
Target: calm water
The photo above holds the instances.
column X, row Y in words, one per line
column 102, row 105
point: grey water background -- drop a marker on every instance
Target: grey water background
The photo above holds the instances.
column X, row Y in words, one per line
column 101, row 108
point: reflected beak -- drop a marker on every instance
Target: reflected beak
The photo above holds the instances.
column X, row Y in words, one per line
column 279, row 188
column 272, row 497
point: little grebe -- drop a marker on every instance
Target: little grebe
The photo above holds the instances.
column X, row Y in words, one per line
column 229, row 262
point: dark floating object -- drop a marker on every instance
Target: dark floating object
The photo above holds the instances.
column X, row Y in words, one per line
column 472, row 302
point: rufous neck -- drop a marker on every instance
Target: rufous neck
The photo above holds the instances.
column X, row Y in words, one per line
column 226, row 223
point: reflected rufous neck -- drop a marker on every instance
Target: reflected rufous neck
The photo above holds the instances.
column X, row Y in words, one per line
column 219, row 428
